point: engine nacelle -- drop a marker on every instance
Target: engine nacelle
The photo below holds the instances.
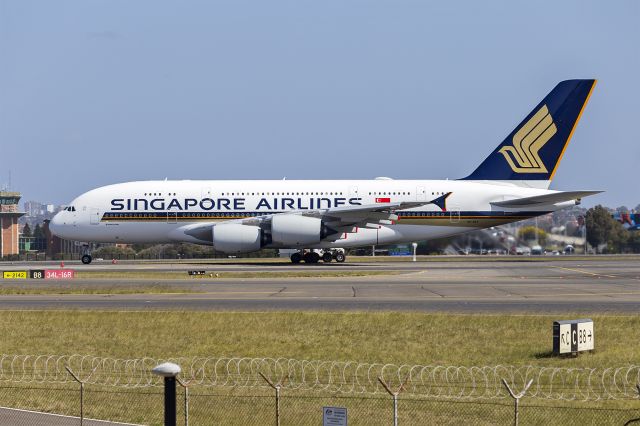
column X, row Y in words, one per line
column 236, row 238
column 291, row 230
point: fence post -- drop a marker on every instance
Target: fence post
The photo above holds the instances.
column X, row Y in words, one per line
column 277, row 389
column 636, row 419
column 516, row 398
column 81, row 393
column 394, row 394
column 77, row 379
column 185, row 385
column 169, row 371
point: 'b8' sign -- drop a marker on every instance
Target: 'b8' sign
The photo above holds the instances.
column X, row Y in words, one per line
column 36, row 274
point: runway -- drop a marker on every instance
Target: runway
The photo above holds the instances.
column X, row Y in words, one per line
column 597, row 285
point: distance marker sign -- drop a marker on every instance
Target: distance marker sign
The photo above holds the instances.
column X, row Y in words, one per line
column 15, row 275
column 573, row 336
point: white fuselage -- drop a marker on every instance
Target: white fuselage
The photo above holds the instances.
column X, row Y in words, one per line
column 166, row 211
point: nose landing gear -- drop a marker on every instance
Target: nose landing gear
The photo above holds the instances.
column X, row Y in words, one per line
column 86, row 255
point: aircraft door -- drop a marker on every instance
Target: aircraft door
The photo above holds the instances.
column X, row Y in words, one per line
column 353, row 192
column 94, row 216
column 421, row 194
column 454, row 214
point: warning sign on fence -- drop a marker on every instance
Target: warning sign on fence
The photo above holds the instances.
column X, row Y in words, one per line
column 334, row 416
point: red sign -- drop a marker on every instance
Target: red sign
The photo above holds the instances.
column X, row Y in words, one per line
column 383, row 200
column 59, row 274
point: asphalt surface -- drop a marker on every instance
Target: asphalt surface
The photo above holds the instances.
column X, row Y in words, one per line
column 16, row 417
column 597, row 285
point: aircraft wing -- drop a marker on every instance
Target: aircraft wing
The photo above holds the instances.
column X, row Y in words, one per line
column 540, row 200
column 344, row 218
column 348, row 218
column 340, row 219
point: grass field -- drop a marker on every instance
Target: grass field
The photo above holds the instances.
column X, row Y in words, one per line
column 403, row 338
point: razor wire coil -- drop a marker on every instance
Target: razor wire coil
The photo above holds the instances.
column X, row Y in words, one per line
column 345, row 377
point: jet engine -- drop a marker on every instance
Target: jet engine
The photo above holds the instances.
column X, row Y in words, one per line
column 237, row 238
column 291, row 230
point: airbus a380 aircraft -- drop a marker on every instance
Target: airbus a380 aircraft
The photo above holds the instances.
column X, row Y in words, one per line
column 245, row 216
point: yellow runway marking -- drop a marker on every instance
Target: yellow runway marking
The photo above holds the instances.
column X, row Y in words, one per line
column 241, row 292
column 595, row 274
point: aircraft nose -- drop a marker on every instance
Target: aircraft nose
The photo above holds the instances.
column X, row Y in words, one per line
column 56, row 225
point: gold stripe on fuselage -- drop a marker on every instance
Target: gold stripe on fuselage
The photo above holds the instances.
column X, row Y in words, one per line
column 443, row 219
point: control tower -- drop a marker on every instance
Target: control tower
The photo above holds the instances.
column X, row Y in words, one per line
column 9, row 214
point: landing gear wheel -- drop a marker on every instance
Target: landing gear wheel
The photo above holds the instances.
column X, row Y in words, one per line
column 311, row 257
column 296, row 258
column 326, row 257
column 340, row 257
column 86, row 259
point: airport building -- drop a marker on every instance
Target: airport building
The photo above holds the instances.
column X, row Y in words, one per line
column 9, row 214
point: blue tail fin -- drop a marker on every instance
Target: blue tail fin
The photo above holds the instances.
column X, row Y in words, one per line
column 534, row 149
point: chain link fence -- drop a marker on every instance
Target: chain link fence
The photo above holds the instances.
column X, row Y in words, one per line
column 52, row 390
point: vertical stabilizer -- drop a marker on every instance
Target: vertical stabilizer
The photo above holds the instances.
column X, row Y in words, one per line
column 533, row 150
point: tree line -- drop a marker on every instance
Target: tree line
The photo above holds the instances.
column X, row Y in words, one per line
column 607, row 235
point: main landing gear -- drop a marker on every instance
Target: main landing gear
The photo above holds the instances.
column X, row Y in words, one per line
column 314, row 256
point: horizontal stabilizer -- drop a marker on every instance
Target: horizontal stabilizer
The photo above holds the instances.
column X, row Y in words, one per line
column 553, row 198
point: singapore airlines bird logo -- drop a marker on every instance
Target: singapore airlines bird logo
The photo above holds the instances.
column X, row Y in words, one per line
column 523, row 155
